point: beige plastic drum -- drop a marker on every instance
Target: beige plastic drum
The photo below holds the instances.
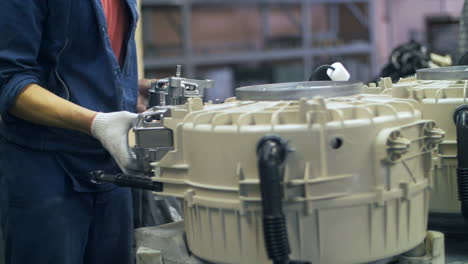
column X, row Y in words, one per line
column 438, row 99
column 357, row 182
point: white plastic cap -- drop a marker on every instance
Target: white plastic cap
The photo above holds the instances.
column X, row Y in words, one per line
column 339, row 74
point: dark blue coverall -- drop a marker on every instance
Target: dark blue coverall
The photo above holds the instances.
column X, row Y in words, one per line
column 52, row 213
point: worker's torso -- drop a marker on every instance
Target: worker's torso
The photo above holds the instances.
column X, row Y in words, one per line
column 78, row 64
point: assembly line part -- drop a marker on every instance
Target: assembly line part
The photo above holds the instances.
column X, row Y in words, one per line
column 439, row 91
column 452, row 73
column 356, row 183
column 176, row 90
column 298, row 90
column 166, row 245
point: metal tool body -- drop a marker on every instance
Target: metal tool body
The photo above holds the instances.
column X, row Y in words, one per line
column 152, row 139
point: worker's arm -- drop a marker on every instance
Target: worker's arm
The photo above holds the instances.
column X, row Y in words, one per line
column 37, row 105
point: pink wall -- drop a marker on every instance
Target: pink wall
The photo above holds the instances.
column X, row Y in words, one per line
column 398, row 18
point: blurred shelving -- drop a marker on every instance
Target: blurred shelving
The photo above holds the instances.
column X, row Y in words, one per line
column 306, row 45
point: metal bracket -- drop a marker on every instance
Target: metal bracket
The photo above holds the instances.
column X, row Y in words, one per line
column 176, row 90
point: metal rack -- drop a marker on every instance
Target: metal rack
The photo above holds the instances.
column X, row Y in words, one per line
column 306, row 52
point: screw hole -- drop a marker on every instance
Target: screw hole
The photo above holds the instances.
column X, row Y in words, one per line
column 336, row 143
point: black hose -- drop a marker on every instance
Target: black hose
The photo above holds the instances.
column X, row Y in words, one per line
column 464, row 60
column 271, row 153
column 461, row 121
column 320, row 74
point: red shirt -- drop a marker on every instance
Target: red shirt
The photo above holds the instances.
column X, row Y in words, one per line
column 117, row 26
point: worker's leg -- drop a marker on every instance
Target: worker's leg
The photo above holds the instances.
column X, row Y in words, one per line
column 2, row 214
column 111, row 234
column 47, row 222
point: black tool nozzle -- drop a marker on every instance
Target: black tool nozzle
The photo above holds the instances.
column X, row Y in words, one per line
column 123, row 180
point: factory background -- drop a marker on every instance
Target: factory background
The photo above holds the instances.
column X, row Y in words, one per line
column 247, row 42
column 251, row 42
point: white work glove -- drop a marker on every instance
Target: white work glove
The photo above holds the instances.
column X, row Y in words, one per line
column 111, row 129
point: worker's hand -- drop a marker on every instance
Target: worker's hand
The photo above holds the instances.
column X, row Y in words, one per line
column 112, row 131
column 143, row 87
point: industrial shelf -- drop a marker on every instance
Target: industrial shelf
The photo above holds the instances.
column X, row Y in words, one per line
column 306, row 52
column 276, row 54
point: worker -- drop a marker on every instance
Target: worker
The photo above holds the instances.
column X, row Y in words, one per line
column 68, row 93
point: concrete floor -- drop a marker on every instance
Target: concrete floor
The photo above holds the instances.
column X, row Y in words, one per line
column 456, row 249
column 455, row 230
